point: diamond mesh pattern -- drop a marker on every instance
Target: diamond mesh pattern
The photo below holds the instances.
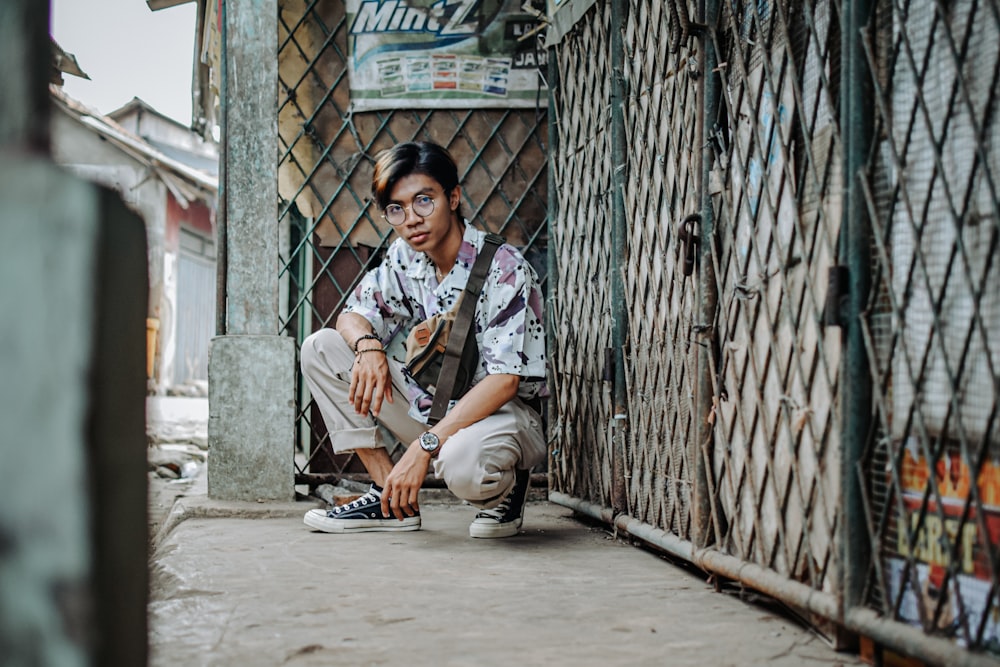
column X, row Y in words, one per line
column 777, row 454
column 330, row 233
column 931, row 468
column 581, row 307
column 774, row 477
column 661, row 121
column 933, row 332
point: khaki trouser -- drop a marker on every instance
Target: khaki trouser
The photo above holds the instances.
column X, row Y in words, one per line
column 477, row 463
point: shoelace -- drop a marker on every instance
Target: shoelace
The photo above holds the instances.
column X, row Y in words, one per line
column 363, row 501
column 498, row 511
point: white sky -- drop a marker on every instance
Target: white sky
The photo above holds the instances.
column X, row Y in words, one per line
column 128, row 51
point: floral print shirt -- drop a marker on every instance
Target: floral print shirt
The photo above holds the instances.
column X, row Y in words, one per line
column 510, row 333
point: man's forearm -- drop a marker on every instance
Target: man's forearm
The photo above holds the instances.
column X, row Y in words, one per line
column 488, row 396
column 352, row 327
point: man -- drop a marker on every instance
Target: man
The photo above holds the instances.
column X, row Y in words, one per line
column 490, row 438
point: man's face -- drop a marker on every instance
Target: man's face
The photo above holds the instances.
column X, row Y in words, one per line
column 414, row 194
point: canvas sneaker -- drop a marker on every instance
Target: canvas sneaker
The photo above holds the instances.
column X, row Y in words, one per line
column 363, row 515
column 505, row 519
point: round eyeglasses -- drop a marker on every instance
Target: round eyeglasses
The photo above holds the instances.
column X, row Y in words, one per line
column 422, row 205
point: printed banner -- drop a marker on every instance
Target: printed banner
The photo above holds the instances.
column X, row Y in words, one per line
column 967, row 596
column 431, row 54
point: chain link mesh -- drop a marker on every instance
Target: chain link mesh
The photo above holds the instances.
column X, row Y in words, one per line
column 776, row 454
column 776, row 181
column 931, row 470
column 661, row 126
column 581, row 308
column 331, row 234
column 934, row 322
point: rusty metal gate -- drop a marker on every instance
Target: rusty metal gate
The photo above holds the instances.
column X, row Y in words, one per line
column 332, row 234
column 759, row 363
column 932, row 331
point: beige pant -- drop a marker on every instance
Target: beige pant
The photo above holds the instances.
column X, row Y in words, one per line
column 477, row 463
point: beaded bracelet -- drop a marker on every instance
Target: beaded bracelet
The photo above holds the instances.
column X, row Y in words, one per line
column 370, row 349
column 369, row 336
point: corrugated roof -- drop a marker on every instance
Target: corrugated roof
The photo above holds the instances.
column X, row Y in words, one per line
column 184, row 181
column 164, row 4
column 64, row 63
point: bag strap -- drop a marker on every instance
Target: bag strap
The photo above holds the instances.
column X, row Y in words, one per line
column 460, row 328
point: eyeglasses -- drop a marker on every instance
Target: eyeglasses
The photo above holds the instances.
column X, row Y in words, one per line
column 422, row 205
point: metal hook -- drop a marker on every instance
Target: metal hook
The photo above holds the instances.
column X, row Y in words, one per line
column 690, row 239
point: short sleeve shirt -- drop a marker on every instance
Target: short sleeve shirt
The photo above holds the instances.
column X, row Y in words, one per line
column 403, row 291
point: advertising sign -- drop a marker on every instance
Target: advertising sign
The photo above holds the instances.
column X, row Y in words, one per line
column 412, row 54
column 942, row 542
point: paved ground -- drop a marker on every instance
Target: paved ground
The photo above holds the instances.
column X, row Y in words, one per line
column 249, row 584
column 177, row 436
column 268, row 591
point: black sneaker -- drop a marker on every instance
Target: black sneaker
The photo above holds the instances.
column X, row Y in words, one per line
column 505, row 519
column 363, row 515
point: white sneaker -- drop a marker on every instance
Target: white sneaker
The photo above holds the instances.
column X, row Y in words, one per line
column 505, row 519
column 363, row 515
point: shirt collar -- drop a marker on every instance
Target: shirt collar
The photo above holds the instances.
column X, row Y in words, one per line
column 422, row 268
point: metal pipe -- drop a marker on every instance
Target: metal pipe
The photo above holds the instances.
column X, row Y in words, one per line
column 587, row 508
column 904, row 638
column 856, row 123
column 551, row 268
column 759, row 578
column 668, row 542
column 699, row 449
column 913, row 642
column 221, row 249
column 619, row 158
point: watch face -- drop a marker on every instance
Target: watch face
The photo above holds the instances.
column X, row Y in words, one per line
column 429, row 442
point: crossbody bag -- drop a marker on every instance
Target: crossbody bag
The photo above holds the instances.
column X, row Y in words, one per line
column 441, row 352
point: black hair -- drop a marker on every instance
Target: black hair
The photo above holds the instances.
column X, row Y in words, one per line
column 412, row 157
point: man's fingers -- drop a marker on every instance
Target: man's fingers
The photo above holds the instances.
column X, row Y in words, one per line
column 352, row 392
column 390, row 504
column 362, row 397
column 368, row 390
column 387, row 391
column 390, row 501
column 376, row 401
column 385, row 501
column 397, row 511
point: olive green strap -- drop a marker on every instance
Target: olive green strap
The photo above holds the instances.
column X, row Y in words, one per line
column 460, row 329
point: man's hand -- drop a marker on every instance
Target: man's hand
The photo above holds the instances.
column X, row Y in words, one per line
column 402, row 485
column 370, row 379
column 370, row 382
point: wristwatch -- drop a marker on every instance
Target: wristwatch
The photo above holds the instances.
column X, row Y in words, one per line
column 429, row 442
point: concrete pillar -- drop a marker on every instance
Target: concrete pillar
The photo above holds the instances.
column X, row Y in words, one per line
column 25, row 54
column 251, row 369
column 73, row 531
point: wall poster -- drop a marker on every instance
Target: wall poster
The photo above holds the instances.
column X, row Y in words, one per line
column 944, row 542
column 432, row 54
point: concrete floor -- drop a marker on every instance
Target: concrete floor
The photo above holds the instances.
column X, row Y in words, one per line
column 249, row 584
column 238, row 584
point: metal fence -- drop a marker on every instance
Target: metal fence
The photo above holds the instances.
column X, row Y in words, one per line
column 332, row 234
column 933, row 328
column 775, row 307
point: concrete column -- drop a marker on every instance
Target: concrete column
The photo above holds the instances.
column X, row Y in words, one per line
column 27, row 62
column 251, row 369
column 251, row 167
column 73, row 531
column 73, row 286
